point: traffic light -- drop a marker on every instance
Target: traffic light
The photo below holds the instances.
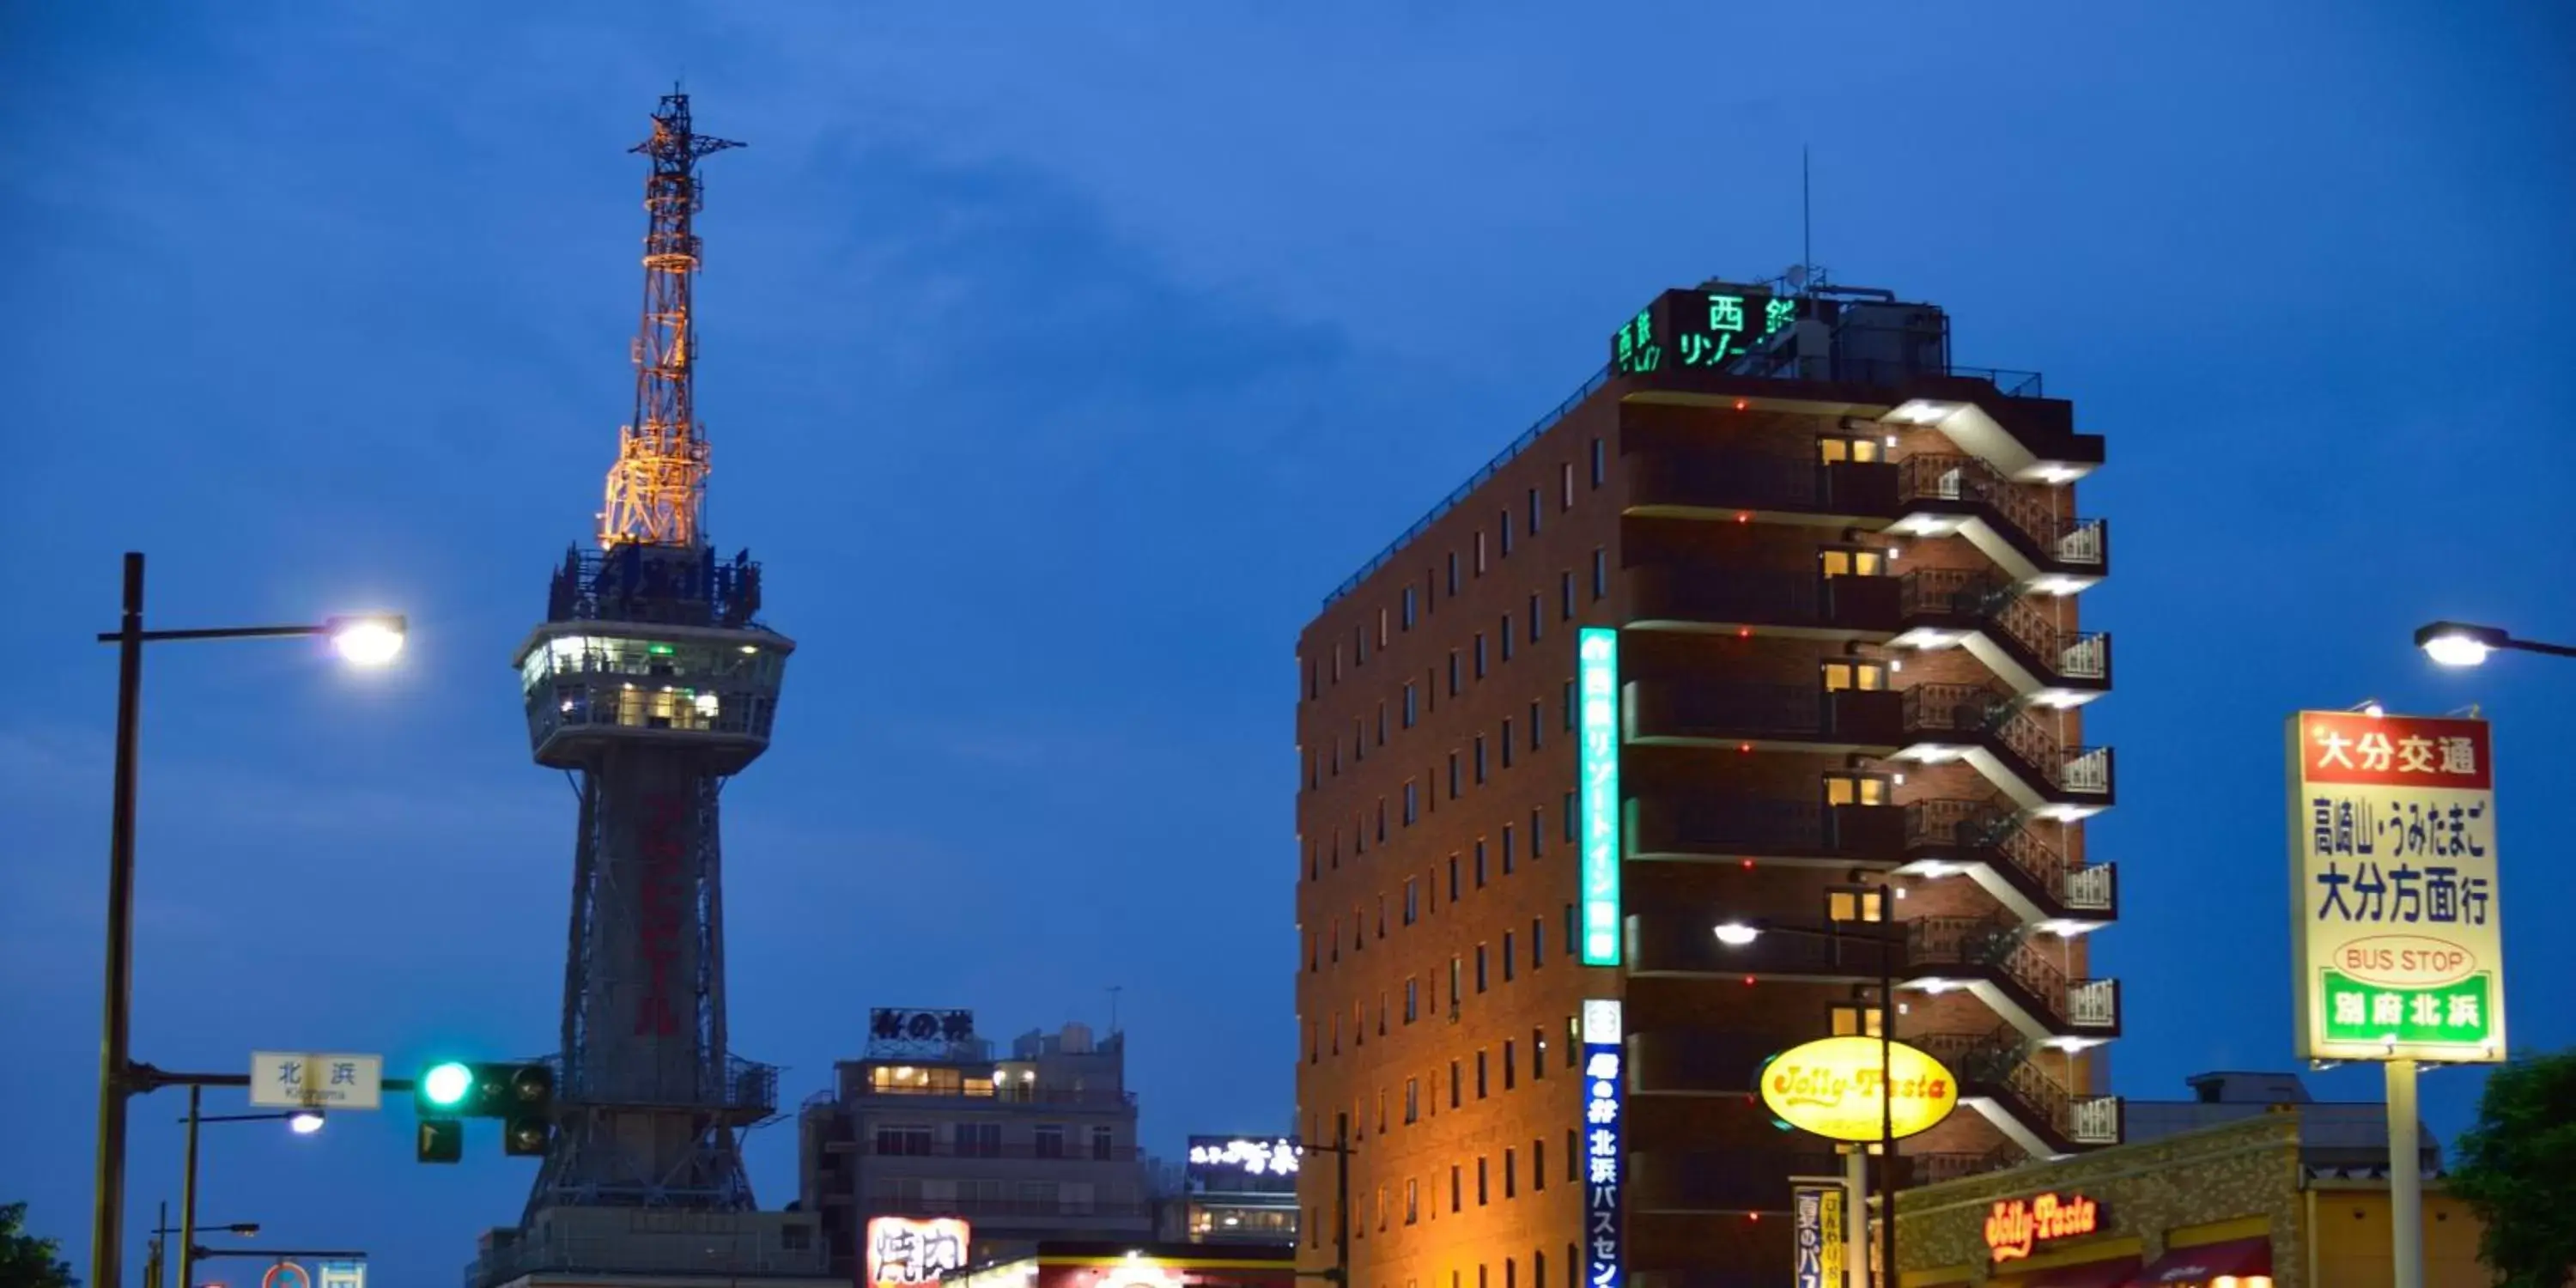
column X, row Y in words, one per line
column 520, row 1094
column 442, row 1140
column 527, row 1110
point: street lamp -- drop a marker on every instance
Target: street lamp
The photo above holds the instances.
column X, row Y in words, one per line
column 2463, row 644
column 1739, row 934
column 303, row 1122
column 370, row 639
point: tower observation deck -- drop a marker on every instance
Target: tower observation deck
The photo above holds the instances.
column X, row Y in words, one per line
column 650, row 683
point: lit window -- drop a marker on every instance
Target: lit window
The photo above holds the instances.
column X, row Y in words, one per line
column 1836, row 450
column 1855, row 673
column 1855, row 789
column 1852, row 561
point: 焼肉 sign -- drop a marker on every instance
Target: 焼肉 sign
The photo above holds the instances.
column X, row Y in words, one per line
column 1831, row 1087
column 2396, row 934
column 2015, row 1226
column 903, row 1250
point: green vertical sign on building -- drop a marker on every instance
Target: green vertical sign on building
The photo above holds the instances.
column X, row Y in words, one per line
column 1597, row 688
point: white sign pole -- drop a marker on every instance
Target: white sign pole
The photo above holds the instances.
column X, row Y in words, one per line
column 1856, row 1215
column 2405, row 1177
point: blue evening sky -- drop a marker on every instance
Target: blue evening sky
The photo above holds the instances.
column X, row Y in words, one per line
column 1056, row 365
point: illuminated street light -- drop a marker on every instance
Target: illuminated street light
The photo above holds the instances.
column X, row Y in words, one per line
column 367, row 641
column 1736, row 934
column 305, row 1124
column 2462, row 644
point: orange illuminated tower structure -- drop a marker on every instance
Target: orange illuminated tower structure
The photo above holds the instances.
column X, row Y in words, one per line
column 651, row 682
column 1773, row 624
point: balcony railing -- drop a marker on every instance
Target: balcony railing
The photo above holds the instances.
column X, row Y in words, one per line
column 1981, row 944
column 1761, row 826
column 1992, row 601
column 2093, row 1003
column 910, row 1204
column 2098, row 1120
column 1997, row 1064
column 1450, row 502
column 1069, row 1152
column 1014, row 1094
column 2093, row 888
column 1968, row 480
column 1982, row 825
column 1988, row 714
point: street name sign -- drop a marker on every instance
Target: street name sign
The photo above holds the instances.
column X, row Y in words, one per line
column 316, row 1080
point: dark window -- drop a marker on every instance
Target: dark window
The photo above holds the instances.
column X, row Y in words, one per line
column 1538, row 1181
column 1538, row 942
column 1537, row 722
column 1533, row 511
column 1511, row 1050
column 1408, row 608
column 1412, row 1001
column 1453, row 775
column 1599, row 462
column 1565, row 486
column 1050, row 1137
column 1505, row 527
column 1573, row 1144
column 1600, row 572
column 1453, row 572
column 1507, row 637
column 1453, row 673
column 1569, row 716
column 1507, row 836
column 904, row 1139
column 1535, row 617
column 1453, row 878
column 1103, row 1145
column 1453, row 1193
column 1453, row 1093
column 1538, row 833
column 1565, row 596
column 1570, row 815
column 1412, row 705
column 1481, row 1086
column 1538, row 1052
column 1507, row 746
column 1412, row 899
column 1480, row 864
column 1480, row 760
column 1480, row 655
column 1507, row 977
column 1412, row 801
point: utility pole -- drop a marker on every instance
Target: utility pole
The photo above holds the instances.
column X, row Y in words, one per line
column 1341, row 1151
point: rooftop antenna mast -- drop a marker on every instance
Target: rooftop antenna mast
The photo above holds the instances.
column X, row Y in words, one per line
column 1114, row 991
column 657, row 489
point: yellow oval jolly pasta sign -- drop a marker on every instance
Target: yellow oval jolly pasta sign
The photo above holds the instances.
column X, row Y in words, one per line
column 1831, row 1087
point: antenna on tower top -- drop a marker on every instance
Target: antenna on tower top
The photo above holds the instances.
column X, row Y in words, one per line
column 657, row 489
column 1806, row 224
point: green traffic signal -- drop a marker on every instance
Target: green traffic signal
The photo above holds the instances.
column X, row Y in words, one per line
column 447, row 1085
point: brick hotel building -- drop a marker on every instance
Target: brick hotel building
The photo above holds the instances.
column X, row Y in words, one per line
column 1844, row 578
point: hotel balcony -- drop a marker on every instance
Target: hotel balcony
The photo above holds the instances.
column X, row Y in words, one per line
column 1929, row 609
column 1988, row 841
column 1930, row 724
column 1984, row 840
column 2000, row 1078
column 1920, row 496
column 1990, row 958
column 1946, row 722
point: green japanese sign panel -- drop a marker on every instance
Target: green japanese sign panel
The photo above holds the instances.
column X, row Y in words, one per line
column 1700, row 329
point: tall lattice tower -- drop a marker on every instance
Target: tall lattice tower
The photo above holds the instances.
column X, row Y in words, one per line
column 650, row 683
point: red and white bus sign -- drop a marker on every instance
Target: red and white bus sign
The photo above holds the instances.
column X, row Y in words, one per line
column 2396, row 921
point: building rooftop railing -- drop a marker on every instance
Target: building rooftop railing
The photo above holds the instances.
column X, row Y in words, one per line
column 1866, row 371
column 1474, row 481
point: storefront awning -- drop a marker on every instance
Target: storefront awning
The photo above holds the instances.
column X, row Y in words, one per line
column 2199, row 1267
column 2112, row 1272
